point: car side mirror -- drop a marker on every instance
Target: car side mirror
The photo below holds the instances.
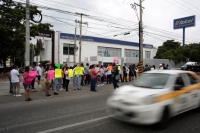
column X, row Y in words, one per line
column 178, row 87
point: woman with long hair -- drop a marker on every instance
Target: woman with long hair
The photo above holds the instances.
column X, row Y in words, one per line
column 47, row 82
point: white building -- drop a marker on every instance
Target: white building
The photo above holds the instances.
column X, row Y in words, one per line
column 94, row 49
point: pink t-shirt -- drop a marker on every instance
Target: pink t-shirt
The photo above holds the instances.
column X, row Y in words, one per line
column 26, row 79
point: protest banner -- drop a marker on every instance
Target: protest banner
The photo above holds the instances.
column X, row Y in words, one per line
column 50, row 75
column 119, row 68
column 58, row 73
column 70, row 73
column 78, row 71
column 31, row 76
column 109, row 67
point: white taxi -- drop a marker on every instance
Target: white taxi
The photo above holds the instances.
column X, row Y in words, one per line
column 155, row 97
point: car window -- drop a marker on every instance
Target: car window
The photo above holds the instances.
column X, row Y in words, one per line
column 192, row 79
column 152, row 80
column 179, row 81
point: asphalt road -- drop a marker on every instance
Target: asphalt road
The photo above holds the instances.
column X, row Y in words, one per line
column 79, row 112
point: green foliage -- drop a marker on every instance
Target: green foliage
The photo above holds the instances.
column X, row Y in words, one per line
column 12, row 29
column 44, row 62
column 174, row 51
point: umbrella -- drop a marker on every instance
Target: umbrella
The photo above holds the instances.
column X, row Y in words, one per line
column 49, row 63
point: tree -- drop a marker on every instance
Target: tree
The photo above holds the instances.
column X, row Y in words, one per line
column 173, row 51
column 12, row 29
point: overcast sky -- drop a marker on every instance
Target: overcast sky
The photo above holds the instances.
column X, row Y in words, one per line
column 116, row 17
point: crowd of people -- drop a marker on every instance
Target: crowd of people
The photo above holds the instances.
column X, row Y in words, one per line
column 92, row 75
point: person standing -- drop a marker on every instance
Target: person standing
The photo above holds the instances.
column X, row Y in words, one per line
column 115, row 73
column 54, row 83
column 39, row 73
column 146, row 68
column 76, row 79
column 33, row 82
column 15, row 81
column 9, row 76
column 124, row 73
column 93, row 75
column 87, row 73
column 82, row 76
column 47, row 82
column 67, row 79
column 27, row 84
column 109, row 74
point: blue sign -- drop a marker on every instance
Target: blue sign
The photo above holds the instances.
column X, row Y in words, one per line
column 103, row 40
column 184, row 22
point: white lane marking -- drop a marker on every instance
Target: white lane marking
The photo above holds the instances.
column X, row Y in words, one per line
column 50, row 119
column 73, row 125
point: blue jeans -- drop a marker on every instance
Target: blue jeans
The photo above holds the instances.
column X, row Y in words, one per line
column 76, row 82
column 60, row 81
column 54, row 85
column 11, row 86
column 82, row 80
column 93, row 84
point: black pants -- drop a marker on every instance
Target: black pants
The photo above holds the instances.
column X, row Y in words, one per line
column 109, row 78
column 33, row 83
column 115, row 83
column 64, row 80
column 124, row 77
column 66, row 84
column 87, row 79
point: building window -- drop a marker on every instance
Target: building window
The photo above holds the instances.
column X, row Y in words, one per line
column 65, row 49
column 109, row 52
column 147, row 54
column 131, row 53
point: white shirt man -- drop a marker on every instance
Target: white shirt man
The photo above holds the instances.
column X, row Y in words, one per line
column 39, row 73
column 15, row 81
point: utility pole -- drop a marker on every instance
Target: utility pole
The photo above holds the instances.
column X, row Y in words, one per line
column 27, row 47
column 75, row 47
column 141, row 33
column 140, row 70
column 80, row 41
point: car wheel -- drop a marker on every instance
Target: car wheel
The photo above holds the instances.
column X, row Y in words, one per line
column 164, row 122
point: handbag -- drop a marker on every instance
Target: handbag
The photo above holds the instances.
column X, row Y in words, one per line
column 117, row 77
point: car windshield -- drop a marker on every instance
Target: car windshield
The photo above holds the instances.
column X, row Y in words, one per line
column 152, row 80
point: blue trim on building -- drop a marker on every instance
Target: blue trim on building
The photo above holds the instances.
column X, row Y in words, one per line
column 103, row 40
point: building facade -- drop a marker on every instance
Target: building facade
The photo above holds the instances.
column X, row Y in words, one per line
column 94, row 49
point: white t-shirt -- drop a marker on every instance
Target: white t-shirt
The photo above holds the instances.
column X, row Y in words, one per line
column 14, row 76
column 66, row 75
column 39, row 70
column 108, row 72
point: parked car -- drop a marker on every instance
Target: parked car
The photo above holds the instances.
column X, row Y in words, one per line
column 155, row 97
column 185, row 67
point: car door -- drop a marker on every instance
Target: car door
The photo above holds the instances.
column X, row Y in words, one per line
column 195, row 93
column 181, row 99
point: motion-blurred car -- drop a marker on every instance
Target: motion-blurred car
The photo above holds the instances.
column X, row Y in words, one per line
column 155, row 97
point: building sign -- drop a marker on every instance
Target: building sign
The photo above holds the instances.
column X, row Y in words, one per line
column 102, row 40
column 184, row 22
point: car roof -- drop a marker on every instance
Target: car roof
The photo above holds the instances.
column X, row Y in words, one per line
column 171, row 72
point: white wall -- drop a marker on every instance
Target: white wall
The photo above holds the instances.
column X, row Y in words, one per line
column 90, row 49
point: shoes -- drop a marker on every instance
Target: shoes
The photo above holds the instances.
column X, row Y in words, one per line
column 18, row 95
column 48, row 95
column 11, row 92
column 14, row 95
column 29, row 99
column 94, row 90
column 55, row 93
column 61, row 89
column 79, row 88
column 74, row 88
column 67, row 90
